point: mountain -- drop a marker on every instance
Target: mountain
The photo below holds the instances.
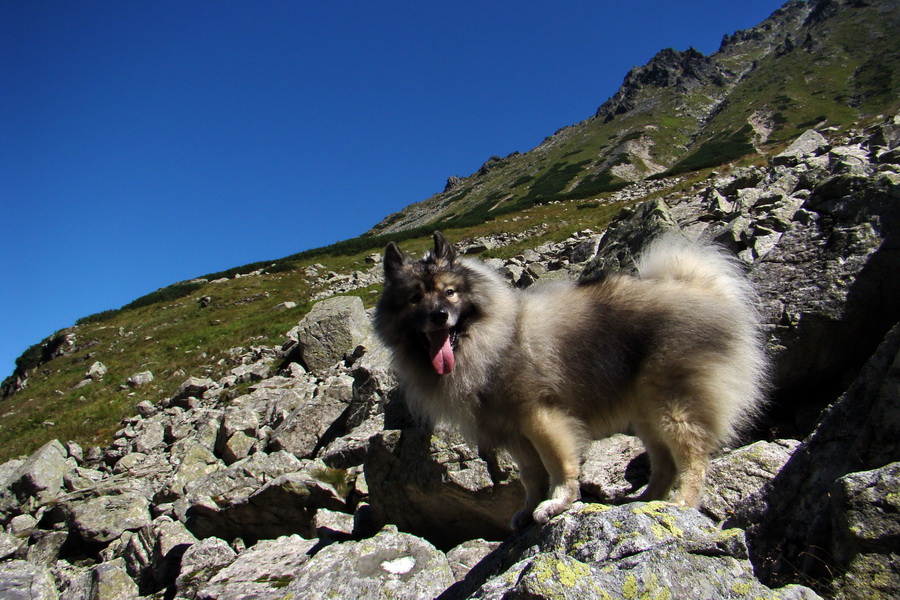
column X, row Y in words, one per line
column 296, row 472
column 826, row 63
column 823, row 63
column 242, row 434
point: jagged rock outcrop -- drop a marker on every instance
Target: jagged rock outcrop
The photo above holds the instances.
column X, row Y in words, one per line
column 318, row 482
column 831, row 511
column 669, row 68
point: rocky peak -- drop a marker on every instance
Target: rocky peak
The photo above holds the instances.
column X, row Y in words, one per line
column 682, row 70
column 453, row 182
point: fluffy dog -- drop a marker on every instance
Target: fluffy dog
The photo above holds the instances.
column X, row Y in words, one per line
column 674, row 355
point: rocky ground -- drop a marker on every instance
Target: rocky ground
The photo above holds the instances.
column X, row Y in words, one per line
column 300, row 475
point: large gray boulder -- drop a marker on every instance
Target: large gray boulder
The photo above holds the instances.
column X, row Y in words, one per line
column 866, row 538
column 312, row 424
column 627, row 234
column 200, row 563
column 736, row 478
column 105, row 518
column 613, row 468
column 331, row 331
column 809, row 144
column 153, row 553
column 390, row 565
column 794, row 528
column 260, row 572
column 261, row 497
column 21, row 580
column 635, row 550
column 40, row 477
column 105, row 581
column 434, row 485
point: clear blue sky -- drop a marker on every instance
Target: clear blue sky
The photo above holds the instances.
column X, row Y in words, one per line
column 144, row 143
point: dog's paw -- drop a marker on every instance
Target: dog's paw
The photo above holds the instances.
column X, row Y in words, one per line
column 548, row 509
column 521, row 520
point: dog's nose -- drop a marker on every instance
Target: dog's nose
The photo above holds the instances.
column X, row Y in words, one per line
column 439, row 316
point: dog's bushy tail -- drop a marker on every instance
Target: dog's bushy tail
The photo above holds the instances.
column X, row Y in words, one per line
column 718, row 274
column 701, row 264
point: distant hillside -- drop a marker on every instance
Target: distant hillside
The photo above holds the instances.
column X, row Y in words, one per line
column 822, row 62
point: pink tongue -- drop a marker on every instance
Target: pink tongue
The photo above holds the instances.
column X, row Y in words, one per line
column 441, row 351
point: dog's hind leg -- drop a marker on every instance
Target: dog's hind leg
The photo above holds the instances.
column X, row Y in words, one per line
column 693, row 464
column 662, row 464
column 689, row 439
column 559, row 440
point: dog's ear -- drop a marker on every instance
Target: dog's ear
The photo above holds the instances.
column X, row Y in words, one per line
column 443, row 251
column 394, row 260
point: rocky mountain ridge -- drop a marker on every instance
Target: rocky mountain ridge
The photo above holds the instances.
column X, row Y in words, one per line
column 299, row 474
column 810, row 62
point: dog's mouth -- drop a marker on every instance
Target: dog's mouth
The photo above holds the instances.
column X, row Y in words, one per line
column 441, row 348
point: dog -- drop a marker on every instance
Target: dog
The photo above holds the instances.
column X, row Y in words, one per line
column 673, row 354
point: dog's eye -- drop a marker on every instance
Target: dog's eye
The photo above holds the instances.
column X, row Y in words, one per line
column 449, row 292
column 415, row 299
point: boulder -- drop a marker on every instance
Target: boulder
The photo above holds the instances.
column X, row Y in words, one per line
column 613, row 468
column 313, row 423
column 331, row 525
column 97, row 371
column 434, row 485
column 200, row 563
column 21, row 580
column 104, row 518
column 252, row 372
column 810, row 143
column 635, row 550
column 45, row 546
column 140, row 379
column 263, row 496
column 793, row 528
column 390, row 565
column 866, row 533
column 153, row 553
column 261, row 572
column 238, row 446
column 151, row 438
column 197, row 462
column 110, row 581
column 350, row 449
column 10, row 545
column 468, row 554
column 331, row 331
column 41, row 476
column 736, row 478
column 193, row 387
column 627, row 234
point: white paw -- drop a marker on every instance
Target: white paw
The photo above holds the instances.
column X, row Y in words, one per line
column 548, row 509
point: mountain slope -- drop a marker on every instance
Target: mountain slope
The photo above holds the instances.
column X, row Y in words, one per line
column 819, row 62
column 823, row 62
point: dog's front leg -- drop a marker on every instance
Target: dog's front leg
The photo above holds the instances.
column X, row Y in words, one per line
column 534, row 479
column 557, row 438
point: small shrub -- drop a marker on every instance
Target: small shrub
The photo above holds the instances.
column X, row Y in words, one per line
column 337, row 478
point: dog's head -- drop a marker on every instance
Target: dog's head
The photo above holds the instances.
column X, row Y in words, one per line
column 425, row 305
